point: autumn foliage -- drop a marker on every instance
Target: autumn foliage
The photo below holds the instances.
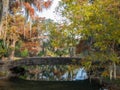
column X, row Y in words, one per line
column 30, row 6
column 32, row 47
column 39, row 4
column 47, row 4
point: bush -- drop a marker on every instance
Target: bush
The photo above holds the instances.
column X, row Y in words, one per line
column 2, row 52
column 24, row 53
column 41, row 53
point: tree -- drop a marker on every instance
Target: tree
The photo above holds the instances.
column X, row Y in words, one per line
column 10, row 27
column 31, row 41
column 98, row 22
column 54, row 38
column 29, row 6
column 12, row 30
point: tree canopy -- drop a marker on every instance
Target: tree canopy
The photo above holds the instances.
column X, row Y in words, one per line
column 98, row 20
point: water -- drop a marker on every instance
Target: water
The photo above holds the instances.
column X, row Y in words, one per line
column 20, row 84
column 32, row 80
column 52, row 73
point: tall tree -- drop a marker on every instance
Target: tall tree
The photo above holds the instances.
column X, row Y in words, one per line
column 98, row 22
column 12, row 31
column 8, row 18
column 29, row 6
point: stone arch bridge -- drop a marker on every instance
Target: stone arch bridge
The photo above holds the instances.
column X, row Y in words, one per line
column 10, row 64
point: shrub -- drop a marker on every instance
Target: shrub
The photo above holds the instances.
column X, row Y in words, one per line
column 24, row 53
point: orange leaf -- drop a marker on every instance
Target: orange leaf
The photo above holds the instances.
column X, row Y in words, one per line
column 27, row 5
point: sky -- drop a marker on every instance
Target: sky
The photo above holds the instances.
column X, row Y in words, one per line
column 50, row 13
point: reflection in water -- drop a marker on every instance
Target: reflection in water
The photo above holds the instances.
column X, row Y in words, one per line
column 51, row 72
column 50, row 78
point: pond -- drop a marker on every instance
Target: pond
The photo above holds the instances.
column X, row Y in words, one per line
column 20, row 84
column 32, row 79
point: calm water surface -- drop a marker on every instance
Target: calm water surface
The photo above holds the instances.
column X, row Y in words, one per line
column 19, row 84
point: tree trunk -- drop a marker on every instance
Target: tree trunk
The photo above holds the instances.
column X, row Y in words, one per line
column 11, row 56
column 1, row 9
column 4, row 14
column 72, row 51
column 0, row 29
column 114, row 69
column 3, row 58
column 111, row 72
